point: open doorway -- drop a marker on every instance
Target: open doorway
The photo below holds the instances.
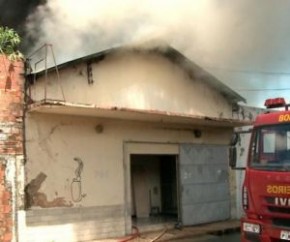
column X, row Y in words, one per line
column 154, row 189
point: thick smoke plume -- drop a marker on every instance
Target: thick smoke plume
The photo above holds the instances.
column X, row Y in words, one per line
column 14, row 14
column 238, row 41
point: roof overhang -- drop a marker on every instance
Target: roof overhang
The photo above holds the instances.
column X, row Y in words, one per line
column 65, row 108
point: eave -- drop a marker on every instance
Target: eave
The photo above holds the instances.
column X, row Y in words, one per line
column 154, row 116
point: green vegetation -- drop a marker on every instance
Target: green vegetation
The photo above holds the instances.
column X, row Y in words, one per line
column 9, row 43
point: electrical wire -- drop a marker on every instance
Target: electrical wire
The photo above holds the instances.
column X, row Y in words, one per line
column 262, row 89
column 256, row 72
column 79, row 197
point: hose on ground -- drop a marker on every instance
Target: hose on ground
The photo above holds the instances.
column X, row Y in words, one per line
column 133, row 236
column 159, row 236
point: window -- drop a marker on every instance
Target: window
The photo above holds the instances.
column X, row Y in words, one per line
column 271, row 148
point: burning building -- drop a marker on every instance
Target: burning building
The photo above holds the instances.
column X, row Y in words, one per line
column 124, row 136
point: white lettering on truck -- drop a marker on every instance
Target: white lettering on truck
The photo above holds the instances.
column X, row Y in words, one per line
column 280, row 201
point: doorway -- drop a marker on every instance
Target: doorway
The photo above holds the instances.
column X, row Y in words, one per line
column 153, row 189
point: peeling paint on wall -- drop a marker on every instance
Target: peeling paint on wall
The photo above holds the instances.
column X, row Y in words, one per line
column 35, row 198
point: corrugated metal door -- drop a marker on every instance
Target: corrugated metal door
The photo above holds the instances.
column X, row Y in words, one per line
column 204, row 183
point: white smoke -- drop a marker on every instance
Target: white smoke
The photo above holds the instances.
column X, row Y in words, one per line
column 76, row 27
column 219, row 35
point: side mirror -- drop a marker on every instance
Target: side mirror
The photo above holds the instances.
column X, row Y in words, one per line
column 233, row 157
column 235, row 138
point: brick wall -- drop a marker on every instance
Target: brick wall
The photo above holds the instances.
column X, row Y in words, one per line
column 11, row 142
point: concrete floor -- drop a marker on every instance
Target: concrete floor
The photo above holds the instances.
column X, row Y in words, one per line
column 154, row 223
column 223, row 231
column 233, row 237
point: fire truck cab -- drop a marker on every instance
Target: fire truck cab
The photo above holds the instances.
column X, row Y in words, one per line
column 266, row 187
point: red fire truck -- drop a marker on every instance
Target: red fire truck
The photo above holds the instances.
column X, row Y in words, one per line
column 266, row 187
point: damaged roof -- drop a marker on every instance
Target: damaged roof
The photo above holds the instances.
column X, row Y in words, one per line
column 193, row 70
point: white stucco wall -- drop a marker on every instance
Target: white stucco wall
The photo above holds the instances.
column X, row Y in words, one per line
column 53, row 141
column 146, row 81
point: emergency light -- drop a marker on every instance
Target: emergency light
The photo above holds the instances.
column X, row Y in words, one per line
column 275, row 102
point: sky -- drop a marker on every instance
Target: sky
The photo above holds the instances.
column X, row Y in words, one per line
column 244, row 43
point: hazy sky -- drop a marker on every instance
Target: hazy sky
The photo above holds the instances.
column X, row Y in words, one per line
column 245, row 43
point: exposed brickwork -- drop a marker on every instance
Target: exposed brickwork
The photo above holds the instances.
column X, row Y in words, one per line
column 11, row 138
column 5, row 208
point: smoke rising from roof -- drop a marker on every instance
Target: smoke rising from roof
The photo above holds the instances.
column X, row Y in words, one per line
column 225, row 37
column 76, row 28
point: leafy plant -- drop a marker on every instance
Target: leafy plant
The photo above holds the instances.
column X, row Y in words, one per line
column 9, row 43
